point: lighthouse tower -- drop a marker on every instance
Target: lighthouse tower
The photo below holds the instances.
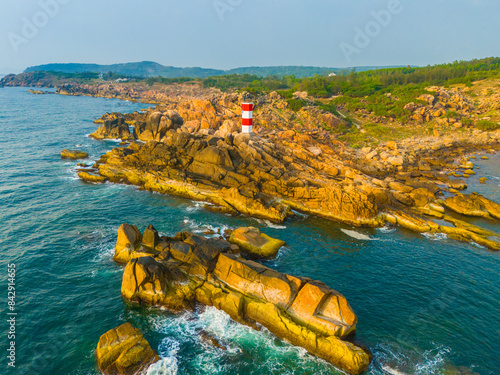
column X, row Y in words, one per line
column 247, row 118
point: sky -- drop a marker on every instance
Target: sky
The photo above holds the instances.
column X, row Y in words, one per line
column 224, row 34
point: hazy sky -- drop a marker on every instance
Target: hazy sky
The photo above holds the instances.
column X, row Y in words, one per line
column 235, row 33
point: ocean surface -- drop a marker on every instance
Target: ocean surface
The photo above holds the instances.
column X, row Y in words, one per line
column 426, row 304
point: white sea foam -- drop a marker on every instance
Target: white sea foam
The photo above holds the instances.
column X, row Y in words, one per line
column 390, row 371
column 387, row 229
column 168, row 365
column 270, row 224
column 105, row 251
column 433, row 360
column 356, row 235
column 300, row 214
column 239, row 341
column 196, row 206
column 435, row 236
column 71, row 178
column 205, row 229
column 389, row 360
column 97, row 242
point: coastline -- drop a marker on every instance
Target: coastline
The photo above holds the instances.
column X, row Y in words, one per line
column 401, row 272
column 417, row 180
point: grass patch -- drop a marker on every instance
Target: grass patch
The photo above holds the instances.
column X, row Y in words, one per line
column 487, row 125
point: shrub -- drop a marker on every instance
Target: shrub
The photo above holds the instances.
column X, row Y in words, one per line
column 487, row 125
column 287, row 94
column 330, row 107
column 467, row 121
column 451, row 114
column 296, row 104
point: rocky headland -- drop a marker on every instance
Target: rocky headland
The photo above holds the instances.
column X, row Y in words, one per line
column 193, row 148
column 188, row 270
column 413, row 175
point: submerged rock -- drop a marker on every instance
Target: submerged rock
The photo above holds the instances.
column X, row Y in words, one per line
column 191, row 269
column 124, row 351
column 73, row 154
column 256, row 243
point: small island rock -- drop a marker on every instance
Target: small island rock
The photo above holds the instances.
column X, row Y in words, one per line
column 124, row 351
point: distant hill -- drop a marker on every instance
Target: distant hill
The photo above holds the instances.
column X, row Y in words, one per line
column 138, row 69
column 152, row 69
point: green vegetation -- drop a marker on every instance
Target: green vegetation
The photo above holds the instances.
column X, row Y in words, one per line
column 351, row 84
column 383, row 104
column 147, row 69
column 467, row 122
column 365, row 83
column 382, row 93
column 250, row 83
column 328, row 107
column 167, row 81
column 296, row 104
column 487, row 125
column 451, row 114
column 372, row 134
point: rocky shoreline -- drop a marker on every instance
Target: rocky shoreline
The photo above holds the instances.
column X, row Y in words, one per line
column 188, row 271
column 192, row 148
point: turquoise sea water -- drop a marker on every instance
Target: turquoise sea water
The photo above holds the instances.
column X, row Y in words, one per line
column 425, row 304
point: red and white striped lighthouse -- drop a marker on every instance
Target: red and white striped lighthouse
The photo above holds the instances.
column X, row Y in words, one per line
column 247, row 118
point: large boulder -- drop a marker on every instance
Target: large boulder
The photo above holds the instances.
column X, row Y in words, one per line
column 227, row 127
column 127, row 235
column 124, row 351
column 157, row 125
column 146, row 280
column 214, row 155
column 113, row 127
column 473, row 205
column 130, row 243
column 467, row 205
column 256, row 243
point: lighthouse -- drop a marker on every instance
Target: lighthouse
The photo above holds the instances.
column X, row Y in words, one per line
column 247, row 118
